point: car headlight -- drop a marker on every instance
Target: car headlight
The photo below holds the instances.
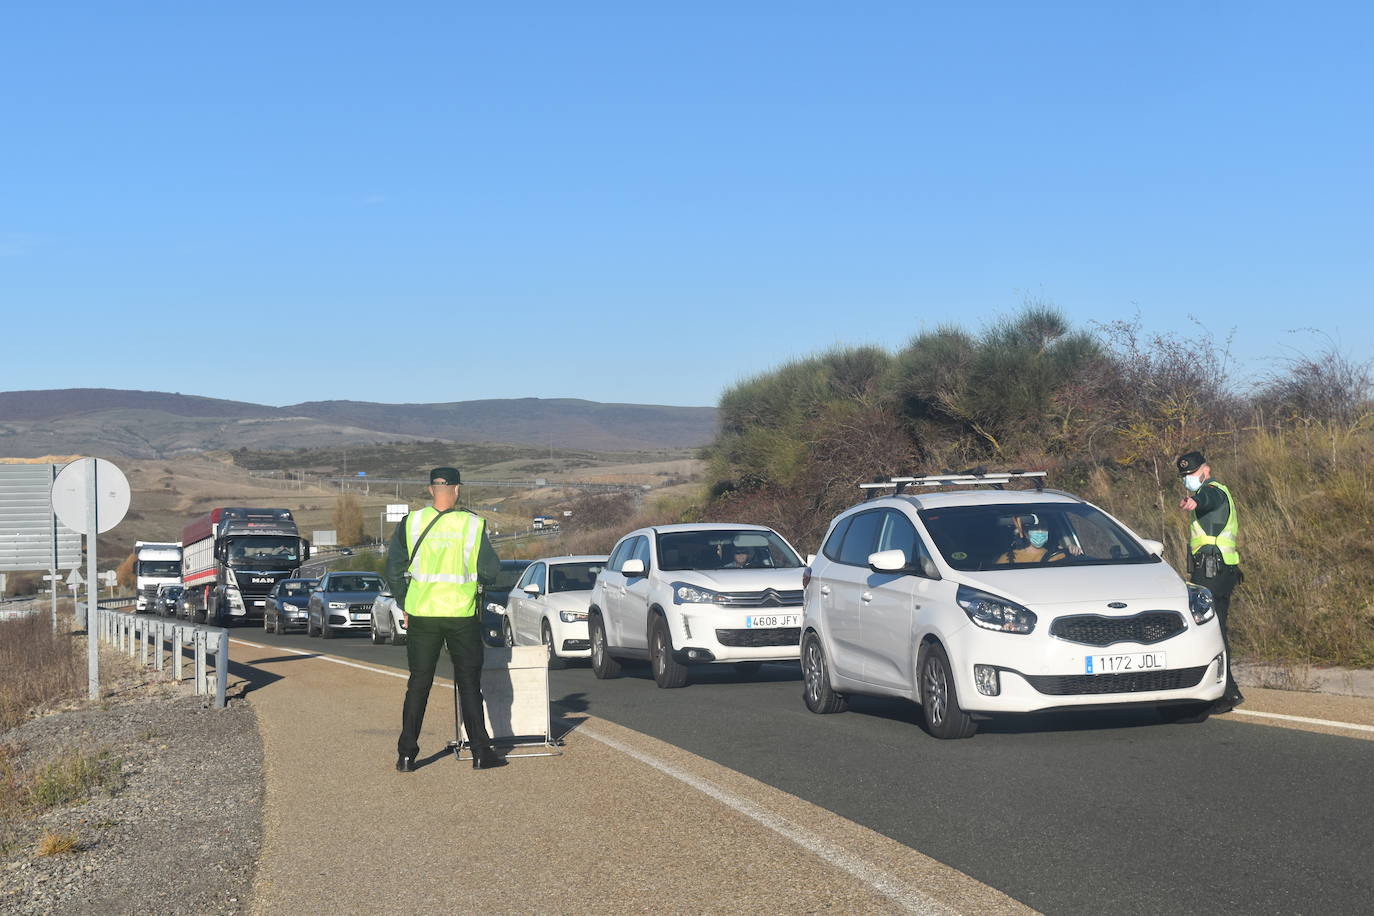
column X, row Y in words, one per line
column 993, row 613
column 295, row 607
column 572, row 616
column 684, row 593
column 1201, row 603
column 338, row 605
column 495, row 608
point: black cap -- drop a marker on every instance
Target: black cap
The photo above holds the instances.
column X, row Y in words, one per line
column 445, row 476
column 1190, row 462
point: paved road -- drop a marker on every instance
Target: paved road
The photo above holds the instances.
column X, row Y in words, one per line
column 1066, row 814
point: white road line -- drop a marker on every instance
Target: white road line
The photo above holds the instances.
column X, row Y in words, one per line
column 1329, row 723
column 904, row 895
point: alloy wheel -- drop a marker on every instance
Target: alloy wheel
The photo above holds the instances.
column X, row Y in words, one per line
column 936, row 691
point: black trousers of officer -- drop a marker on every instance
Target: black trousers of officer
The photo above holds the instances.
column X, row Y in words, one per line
column 1221, row 585
column 425, row 637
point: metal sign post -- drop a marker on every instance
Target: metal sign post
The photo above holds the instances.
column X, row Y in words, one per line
column 91, row 495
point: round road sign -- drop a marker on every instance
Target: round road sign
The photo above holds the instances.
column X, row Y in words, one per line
column 70, row 494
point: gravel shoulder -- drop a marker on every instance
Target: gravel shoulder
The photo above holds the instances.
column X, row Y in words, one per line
column 181, row 835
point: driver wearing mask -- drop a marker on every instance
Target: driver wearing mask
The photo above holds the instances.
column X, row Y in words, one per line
column 1031, row 544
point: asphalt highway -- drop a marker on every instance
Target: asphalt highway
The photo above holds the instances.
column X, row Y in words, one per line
column 1068, row 814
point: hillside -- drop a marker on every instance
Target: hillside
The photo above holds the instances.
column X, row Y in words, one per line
column 152, row 425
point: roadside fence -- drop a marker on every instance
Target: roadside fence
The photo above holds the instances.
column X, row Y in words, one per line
column 158, row 637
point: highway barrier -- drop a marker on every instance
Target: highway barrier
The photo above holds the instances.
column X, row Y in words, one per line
column 143, row 636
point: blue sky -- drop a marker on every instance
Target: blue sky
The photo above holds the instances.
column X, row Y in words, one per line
column 646, row 202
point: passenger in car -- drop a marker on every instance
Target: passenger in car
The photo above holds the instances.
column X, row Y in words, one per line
column 1031, row 545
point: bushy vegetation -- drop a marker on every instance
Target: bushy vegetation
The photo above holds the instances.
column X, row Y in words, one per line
column 1105, row 410
column 37, row 665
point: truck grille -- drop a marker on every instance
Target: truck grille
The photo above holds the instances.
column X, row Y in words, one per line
column 1095, row 630
column 756, row 638
column 769, row 597
column 1134, row 682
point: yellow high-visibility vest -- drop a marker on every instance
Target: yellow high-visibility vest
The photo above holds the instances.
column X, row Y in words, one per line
column 1225, row 541
column 443, row 577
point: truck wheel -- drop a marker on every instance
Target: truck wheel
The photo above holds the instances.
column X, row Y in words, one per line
column 818, row 694
column 940, row 699
column 603, row 666
column 669, row 673
column 546, row 637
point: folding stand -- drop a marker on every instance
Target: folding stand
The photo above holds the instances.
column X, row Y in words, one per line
column 515, row 684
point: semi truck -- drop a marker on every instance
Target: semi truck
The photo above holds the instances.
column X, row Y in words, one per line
column 233, row 557
column 155, row 563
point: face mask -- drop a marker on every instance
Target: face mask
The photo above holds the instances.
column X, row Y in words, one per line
column 1193, row 482
column 1038, row 537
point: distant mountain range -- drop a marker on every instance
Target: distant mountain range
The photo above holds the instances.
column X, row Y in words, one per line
column 155, row 424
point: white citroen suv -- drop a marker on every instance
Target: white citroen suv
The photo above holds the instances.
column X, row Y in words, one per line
column 680, row 595
column 976, row 602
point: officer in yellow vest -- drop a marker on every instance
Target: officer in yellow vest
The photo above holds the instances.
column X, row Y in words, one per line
column 1213, row 558
column 437, row 557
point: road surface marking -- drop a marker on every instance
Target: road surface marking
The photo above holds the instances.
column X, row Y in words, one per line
column 1329, row 723
column 904, row 895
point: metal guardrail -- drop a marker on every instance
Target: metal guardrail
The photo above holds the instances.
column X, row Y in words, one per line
column 140, row 635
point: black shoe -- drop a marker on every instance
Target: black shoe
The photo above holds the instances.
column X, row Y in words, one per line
column 405, row 764
column 486, row 759
column 1226, row 704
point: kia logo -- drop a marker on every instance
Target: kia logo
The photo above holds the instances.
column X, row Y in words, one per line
column 1117, row 604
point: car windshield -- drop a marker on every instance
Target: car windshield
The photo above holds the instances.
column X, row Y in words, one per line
column 159, row 569
column 170, row 591
column 355, row 584
column 297, row 588
column 511, row 570
column 725, row 548
column 264, row 552
column 573, row 577
column 1031, row 535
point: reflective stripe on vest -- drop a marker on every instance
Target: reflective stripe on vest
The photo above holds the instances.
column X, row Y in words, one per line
column 1225, row 541
column 443, row 578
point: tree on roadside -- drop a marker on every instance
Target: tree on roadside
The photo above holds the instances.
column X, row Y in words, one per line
column 125, row 573
column 348, row 519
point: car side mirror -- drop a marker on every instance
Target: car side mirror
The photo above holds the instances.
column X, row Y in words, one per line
column 810, row 559
column 888, row 561
column 1152, row 546
column 632, row 568
column 531, row 589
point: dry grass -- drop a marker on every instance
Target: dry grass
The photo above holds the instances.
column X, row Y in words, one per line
column 1305, row 499
column 37, row 666
column 58, row 842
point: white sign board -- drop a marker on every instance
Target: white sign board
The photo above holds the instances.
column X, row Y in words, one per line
column 70, row 494
column 515, row 686
column 75, row 578
column 328, row 538
column 397, row 511
column 109, row 578
column 29, row 534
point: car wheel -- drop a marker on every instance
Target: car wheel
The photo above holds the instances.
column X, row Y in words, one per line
column 326, row 631
column 669, row 673
column 546, row 637
column 507, row 634
column 940, row 700
column 1191, row 714
column 603, row 666
column 817, row 692
column 266, row 623
column 310, row 626
column 748, row 669
column 377, row 637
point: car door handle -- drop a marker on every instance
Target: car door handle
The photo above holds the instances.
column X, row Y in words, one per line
column 866, row 597
column 825, row 589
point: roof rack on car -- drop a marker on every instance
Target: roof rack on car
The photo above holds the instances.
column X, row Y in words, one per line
column 970, row 478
